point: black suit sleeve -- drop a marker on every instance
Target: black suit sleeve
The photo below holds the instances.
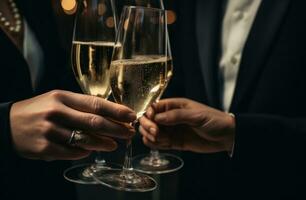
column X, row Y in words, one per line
column 269, row 140
column 9, row 159
column 5, row 136
column 7, row 152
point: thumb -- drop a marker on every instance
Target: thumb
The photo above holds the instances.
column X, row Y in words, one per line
column 169, row 104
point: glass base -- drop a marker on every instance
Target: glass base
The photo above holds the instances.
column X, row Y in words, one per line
column 82, row 173
column 128, row 181
column 161, row 164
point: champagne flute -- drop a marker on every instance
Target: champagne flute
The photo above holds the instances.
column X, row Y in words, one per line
column 138, row 77
column 156, row 162
column 92, row 47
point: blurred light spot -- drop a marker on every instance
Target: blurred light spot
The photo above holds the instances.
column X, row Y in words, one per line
column 85, row 4
column 126, row 24
column 69, row 6
column 171, row 17
column 110, row 22
column 101, row 9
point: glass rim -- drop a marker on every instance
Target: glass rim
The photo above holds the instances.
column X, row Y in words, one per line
column 143, row 8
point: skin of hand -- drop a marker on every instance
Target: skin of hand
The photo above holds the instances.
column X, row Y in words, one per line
column 183, row 124
column 41, row 126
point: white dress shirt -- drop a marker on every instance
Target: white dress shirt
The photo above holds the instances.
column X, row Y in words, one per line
column 237, row 22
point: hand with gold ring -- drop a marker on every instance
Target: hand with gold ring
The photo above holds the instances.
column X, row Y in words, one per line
column 42, row 126
column 76, row 138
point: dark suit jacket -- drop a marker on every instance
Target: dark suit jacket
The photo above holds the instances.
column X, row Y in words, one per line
column 21, row 178
column 269, row 101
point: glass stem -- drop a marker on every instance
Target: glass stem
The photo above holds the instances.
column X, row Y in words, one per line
column 99, row 160
column 154, row 153
column 127, row 166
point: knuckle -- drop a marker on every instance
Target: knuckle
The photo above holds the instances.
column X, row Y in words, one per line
column 47, row 127
column 96, row 105
column 119, row 112
column 199, row 118
column 183, row 102
column 96, row 122
column 56, row 94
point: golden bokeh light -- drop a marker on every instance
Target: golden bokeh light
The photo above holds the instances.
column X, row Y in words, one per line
column 126, row 24
column 110, row 22
column 171, row 17
column 69, row 6
column 101, row 9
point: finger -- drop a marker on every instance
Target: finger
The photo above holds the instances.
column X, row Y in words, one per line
column 156, row 145
column 169, row 104
column 61, row 152
column 98, row 106
column 126, row 132
column 76, row 120
column 181, row 116
column 149, row 125
column 97, row 143
column 144, row 133
column 148, row 143
column 91, row 141
column 150, row 113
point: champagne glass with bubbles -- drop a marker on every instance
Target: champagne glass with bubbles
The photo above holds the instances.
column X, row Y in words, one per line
column 92, row 47
column 156, row 162
column 138, row 78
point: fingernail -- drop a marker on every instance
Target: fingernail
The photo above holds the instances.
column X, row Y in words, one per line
column 153, row 131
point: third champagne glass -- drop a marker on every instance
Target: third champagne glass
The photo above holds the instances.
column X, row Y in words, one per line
column 92, row 48
column 138, row 77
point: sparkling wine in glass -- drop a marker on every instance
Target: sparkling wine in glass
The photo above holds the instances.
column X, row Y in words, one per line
column 156, row 162
column 138, row 78
column 92, row 48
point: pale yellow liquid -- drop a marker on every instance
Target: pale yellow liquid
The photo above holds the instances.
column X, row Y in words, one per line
column 91, row 63
column 138, row 82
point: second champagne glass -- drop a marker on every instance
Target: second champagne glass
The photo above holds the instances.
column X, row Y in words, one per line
column 138, row 77
column 156, row 162
column 92, row 47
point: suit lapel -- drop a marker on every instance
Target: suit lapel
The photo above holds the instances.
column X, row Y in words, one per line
column 208, row 15
column 257, row 48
